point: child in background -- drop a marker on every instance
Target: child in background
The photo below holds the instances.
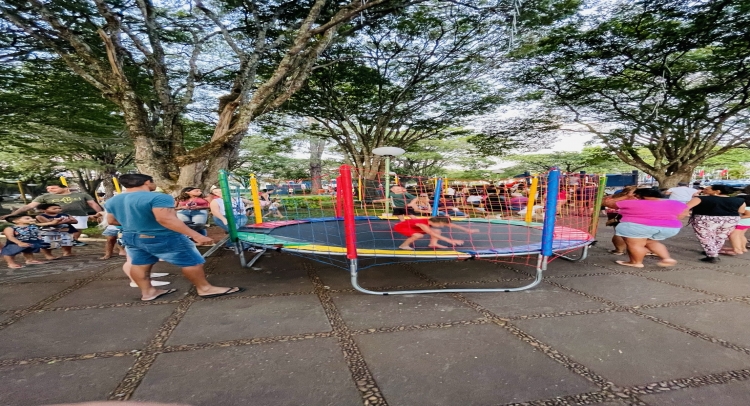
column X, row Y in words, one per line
column 274, row 209
column 415, row 229
column 23, row 238
column 62, row 232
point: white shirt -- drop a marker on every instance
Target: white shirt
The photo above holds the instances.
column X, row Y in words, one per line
column 450, row 191
column 681, row 193
column 472, row 199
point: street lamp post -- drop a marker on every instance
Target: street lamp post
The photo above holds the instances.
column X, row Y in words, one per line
column 388, row 152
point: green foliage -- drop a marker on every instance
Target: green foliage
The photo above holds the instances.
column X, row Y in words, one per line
column 51, row 121
column 667, row 76
column 307, row 202
column 591, row 159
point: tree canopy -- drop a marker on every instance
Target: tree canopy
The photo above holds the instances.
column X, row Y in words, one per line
column 668, row 76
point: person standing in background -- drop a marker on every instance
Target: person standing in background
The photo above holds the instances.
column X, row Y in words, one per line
column 75, row 204
column 715, row 215
column 681, row 193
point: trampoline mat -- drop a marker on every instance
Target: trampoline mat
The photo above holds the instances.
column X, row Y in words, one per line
column 491, row 238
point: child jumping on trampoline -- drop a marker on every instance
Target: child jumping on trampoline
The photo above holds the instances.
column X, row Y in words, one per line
column 415, row 229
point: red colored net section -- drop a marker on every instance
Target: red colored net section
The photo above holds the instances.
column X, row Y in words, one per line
column 498, row 220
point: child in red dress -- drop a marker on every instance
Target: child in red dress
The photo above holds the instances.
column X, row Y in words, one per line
column 415, row 229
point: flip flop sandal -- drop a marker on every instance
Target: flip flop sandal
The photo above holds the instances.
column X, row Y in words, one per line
column 227, row 293
column 666, row 263
column 170, row 291
column 630, row 265
column 616, row 252
column 730, row 253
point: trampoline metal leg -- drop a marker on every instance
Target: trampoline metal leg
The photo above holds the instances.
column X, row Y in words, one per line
column 584, row 255
column 238, row 249
column 541, row 266
column 216, row 247
column 255, row 257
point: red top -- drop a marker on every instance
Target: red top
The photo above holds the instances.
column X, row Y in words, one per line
column 409, row 227
column 195, row 202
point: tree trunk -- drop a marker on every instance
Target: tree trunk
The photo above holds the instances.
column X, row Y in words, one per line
column 671, row 179
column 317, row 145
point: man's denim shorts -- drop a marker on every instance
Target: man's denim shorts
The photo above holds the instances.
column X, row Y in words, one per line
column 635, row 230
column 146, row 249
column 110, row 232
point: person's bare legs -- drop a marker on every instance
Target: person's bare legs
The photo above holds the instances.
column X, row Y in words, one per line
column 67, row 251
column 409, row 241
column 11, row 261
column 197, row 276
column 435, row 238
column 636, row 251
column 661, row 251
column 141, row 275
column 619, row 243
column 48, row 253
column 738, row 241
column 109, row 247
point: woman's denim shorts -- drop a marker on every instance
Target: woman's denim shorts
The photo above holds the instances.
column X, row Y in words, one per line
column 635, row 230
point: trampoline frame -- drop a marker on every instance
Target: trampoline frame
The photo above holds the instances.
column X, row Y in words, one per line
column 345, row 194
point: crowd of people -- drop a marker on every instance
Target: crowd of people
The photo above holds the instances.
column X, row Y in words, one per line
column 643, row 217
column 156, row 227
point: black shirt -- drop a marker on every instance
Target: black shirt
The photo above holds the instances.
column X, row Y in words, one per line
column 718, row 206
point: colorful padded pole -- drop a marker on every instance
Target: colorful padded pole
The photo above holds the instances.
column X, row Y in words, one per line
column 436, row 200
column 117, row 185
column 226, row 196
column 594, row 226
column 347, row 200
column 550, row 211
column 256, row 199
column 64, row 181
column 532, row 199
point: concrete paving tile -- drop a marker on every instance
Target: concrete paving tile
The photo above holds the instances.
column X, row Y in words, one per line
column 471, row 365
column 266, row 282
column 48, row 275
column 82, row 331
column 630, row 290
column 362, row 311
column 730, row 394
column 630, row 350
column 460, row 271
column 117, row 291
column 21, row 296
column 542, row 299
column 715, row 319
column 706, row 279
column 376, row 277
column 309, row 372
column 223, row 320
column 63, row 382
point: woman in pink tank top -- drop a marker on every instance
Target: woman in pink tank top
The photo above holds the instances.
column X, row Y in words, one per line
column 647, row 219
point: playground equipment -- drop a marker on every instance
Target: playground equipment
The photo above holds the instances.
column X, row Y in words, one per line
column 334, row 233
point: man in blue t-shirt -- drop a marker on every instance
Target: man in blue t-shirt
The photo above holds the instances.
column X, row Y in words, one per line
column 152, row 231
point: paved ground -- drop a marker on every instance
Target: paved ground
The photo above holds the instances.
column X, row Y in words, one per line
column 593, row 333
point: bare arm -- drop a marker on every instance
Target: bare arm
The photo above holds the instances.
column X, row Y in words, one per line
column 9, row 235
column 215, row 210
column 429, row 231
column 111, row 220
column 693, row 202
column 167, row 218
column 462, row 228
column 22, row 209
column 742, row 209
column 94, row 205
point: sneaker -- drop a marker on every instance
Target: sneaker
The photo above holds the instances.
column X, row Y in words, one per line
column 158, row 274
column 711, row 260
column 153, row 283
column 77, row 243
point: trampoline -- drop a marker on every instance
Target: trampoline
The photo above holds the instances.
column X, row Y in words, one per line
column 371, row 238
column 375, row 238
